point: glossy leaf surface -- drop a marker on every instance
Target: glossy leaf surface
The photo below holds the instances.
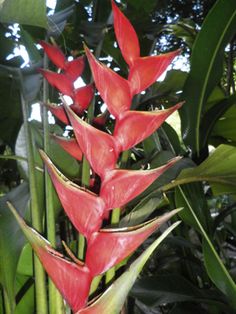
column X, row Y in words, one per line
column 114, row 89
column 121, row 186
column 84, row 208
column 134, row 126
column 107, row 248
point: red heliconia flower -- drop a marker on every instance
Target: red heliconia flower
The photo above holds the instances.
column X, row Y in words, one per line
column 134, row 126
column 61, row 81
column 71, row 279
column 54, row 54
column 121, row 186
column 98, row 147
column 82, row 98
column 70, row 145
column 59, row 112
column 108, row 247
column 84, row 208
column 114, row 89
column 143, row 71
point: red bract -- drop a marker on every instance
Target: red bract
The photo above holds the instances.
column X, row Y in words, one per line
column 120, row 186
column 126, row 36
column 61, row 81
column 114, row 89
column 74, row 68
column 108, row 247
column 83, row 97
column 69, row 145
column 84, row 208
column 134, row 126
column 54, row 54
column 143, row 71
column 98, row 147
column 59, row 112
column 72, row 280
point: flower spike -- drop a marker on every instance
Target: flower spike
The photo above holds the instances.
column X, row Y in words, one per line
column 108, row 247
column 72, row 280
column 70, row 145
column 134, row 126
column 121, row 186
column 126, row 36
column 114, row 89
column 84, row 208
column 98, row 147
column 145, row 71
column 54, row 54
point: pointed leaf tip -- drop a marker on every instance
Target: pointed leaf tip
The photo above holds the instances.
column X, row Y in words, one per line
column 114, row 89
column 98, row 147
column 84, row 209
column 54, row 54
column 126, row 36
column 72, row 280
column 121, row 186
column 108, row 247
column 145, row 71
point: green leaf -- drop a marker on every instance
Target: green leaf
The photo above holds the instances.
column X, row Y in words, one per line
column 206, row 67
column 218, row 169
column 24, row 12
column 11, row 238
column 214, row 265
column 112, row 300
column 25, row 295
column 170, row 288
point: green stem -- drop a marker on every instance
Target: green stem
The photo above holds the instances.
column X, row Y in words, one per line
column 7, row 305
column 40, row 284
column 115, row 217
column 85, row 180
column 56, row 304
column 13, row 157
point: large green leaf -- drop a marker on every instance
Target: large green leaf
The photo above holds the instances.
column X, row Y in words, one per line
column 161, row 289
column 11, row 238
column 24, row 12
column 112, row 300
column 214, row 265
column 218, row 169
column 206, row 67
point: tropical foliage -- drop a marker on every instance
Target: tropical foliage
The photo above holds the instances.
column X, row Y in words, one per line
column 118, row 162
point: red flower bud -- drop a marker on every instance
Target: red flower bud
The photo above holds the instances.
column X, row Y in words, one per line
column 59, row 112
column 82, row 98
column 74, row 68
